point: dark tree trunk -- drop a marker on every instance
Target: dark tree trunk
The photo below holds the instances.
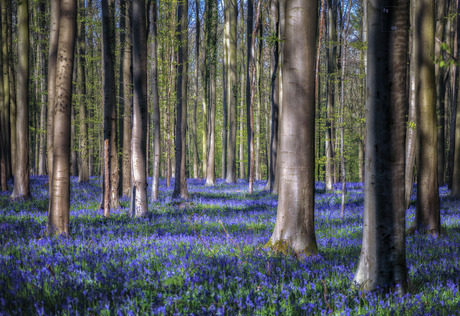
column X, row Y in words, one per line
column 156, row 103
column 6, row 92
column 180, row 182
column 83, row 175
column 21, row 173
column 382, row 262
column 138, row 205
column 58, row 221
column 197, row 93
column 295, row 227
column 427, row 215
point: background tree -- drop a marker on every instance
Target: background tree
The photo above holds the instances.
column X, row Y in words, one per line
column 180, row 183
column 382, row 262
column 294, row 227
column 58, row 221
column 21, row 172
column 427, row 215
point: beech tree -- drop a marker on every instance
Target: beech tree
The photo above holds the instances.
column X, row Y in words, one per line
column 295, row 227
column 58, row 221
column 180, row 183
column 382, row 262
column 21, row 171
column 138, row 206
column 427, row 214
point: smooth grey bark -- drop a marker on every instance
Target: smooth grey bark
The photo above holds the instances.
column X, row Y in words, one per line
column 427, row 214
column 21, row 173
column 138, row 206
column 294, row 228
column 52, row 64
column 197, row 89
column 180, row 182
column 232, row 95
column 58, row 221
column 382, row 262
column 249, row 27
column 127, row 96
column 155, row 103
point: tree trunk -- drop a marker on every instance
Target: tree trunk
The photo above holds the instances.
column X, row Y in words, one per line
column 197, row 88
column 180, row 182
column 43, row 112
column 382, row 263
column 232, row 87
column 427, row 215
column 58, row 221
column 331, row 70
column 6, row 91
column 83, row 175
column 274, row 94
column 211, row 8
column 138, row 205
column 294, row 227
column 21, row 173
column 156, row 103
column 3, row 124
column 249, row 27
column 52, row 64
column 440, row 87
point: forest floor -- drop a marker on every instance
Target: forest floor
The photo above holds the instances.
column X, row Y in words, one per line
column 206, row 256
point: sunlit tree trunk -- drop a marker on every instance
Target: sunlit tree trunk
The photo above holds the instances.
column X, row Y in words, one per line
column 52, row 64
column 180, row 183
column 249, row 26
column 294, row 228
column 427, row 215
column 138, row 205
column 197, row 88
column 58, row 221
column 382, row 263
column 21, row 173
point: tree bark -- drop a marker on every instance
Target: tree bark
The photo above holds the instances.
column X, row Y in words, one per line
column 197, row 88
column 232, row 90
column 83, row 175
column 43, row 101
column 58, row 221
column 3, row 124
column 331, row 71
column 294, row 228
column 6, row 91
column 21, row 173
column 427, row 215
column 180, row 183
column 138, row 205
column 249, row 28
column 156, row 103
column 382, row 263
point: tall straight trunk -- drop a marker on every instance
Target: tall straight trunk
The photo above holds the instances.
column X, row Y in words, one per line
column 3, row 126
column 6, row 88
column 249, row 27
column 211, row 8
column 43, row 103
column 441, row 12
column 58, row 220
column 331, row 71
column 156, row 103
column 83, row 175
column 225, row 86
column 455, row 92
column 180, row 183
column 295, row 227
column 127, row 97
column 382, row 263
column 232, row 87
column 21, row 173
column 73, row 128
column 52, row 64
column 111, row 171
column 427, row 215
column 138, row 205
column 197, row 93
column 259, row 72
column 274, row 94
column 12, row 88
